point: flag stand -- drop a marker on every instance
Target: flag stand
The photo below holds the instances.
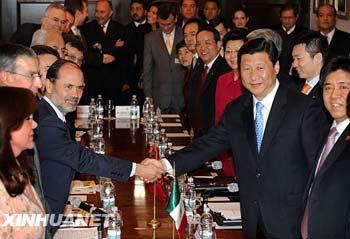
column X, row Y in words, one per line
column 173, row 220
column 154, row 223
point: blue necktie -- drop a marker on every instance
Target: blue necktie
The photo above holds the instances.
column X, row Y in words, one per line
column 259, row 124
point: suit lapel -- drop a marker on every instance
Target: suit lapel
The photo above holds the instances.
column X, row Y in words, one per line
column 162, row 42
column 274, row 120
column 212, row 72
column 337, row 149
column 248, row 124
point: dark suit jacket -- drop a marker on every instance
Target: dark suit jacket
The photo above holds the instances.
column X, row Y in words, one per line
column 207, row 100
column 163, row 75
column 273, row 181
column 61, row 157
column 134, row 43
column 339, row 45
column 329, row 199
column 24, row 34
column 105, row 79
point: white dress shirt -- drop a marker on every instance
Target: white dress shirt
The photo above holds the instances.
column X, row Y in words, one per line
column 312, row 83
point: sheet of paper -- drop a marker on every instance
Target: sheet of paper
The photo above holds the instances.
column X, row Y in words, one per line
column 170, row 116
column 177, row 135
column 171, row 124
column 229, row 210
column 82, row 187
column 176, row 148
column 74, row 233
column 218, row 199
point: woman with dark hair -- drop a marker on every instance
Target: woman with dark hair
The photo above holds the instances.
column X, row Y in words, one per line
column 16, row 190
column 229, row 87
column 152, row 16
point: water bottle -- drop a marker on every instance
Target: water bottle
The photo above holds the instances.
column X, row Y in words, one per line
column 92, row 110
column 114, row 224
column 108, row 195
column 133, row 108
column 206, row 224
column 99, row 107
column 189, row 189
column 145, row 107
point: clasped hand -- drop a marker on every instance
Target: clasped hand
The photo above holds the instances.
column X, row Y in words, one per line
column 150, row 170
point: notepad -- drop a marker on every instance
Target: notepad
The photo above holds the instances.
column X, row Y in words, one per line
column 82, row 187
column 176, row 148
column 229, row 210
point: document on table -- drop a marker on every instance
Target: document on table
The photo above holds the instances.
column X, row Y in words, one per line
column 229, row 210
column 170, row 116
column 82, row 187
column 74, row 233
column 171, row 124
column 178, row 135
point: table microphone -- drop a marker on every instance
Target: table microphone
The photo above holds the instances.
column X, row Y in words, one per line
column 231, row 187
column 77, row 203
column 216, row 165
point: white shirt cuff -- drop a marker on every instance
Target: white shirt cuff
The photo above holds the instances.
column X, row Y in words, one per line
column 133, row 169
column 169, row 168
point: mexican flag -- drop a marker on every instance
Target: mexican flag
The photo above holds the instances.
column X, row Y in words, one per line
column 176, row 209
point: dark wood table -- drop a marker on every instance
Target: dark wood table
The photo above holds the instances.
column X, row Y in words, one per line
column 135, row 202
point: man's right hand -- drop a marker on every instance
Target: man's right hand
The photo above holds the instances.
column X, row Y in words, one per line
column 149, row 172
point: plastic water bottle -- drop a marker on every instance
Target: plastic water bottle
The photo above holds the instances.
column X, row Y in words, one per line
column 133, row 108
column 108, row 195
column 189, row 188
column 206, row 224
column 100, row 107
column 145, row 107
column 92, row 110
column 114, row 224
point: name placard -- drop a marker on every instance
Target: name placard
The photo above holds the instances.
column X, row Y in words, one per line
column 124, row 111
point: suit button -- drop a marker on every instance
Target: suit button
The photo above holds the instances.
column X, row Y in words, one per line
column 258, row 175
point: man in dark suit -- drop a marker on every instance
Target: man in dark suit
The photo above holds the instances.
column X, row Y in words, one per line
column 163, row 74
column 309, row 55
column 135, row 33
column 338, row 40
column 202, row 82
column 60, row 156
column 54, row 19
column 327, row 196
column 273, row 151
column 288, row 29
column 103, row 38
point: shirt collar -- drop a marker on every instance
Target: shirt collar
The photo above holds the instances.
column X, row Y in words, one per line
column 210, row 64
column 290, row 30
column 171, row 34
column 57, row 111
column 139, row 23
column 329, row 36
column 268, row 100
column 106, row 24
column 313, row 82
column 341, row 126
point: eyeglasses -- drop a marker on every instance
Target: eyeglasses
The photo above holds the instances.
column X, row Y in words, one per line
column 32, row 76
column 57, row 20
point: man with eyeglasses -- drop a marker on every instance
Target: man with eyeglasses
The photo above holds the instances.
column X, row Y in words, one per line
column 54, row 18
column 75, row 49
column 19, row 68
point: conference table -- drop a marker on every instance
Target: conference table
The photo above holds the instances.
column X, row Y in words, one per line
column 132, row 198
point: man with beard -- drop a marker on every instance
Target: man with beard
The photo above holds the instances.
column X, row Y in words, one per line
column 61, row 157
column 134, row 45
column 103, row 39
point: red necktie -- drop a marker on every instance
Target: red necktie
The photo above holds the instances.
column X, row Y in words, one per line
column 197, row 118
column 327, row 148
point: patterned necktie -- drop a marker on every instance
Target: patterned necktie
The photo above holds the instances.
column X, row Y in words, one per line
column 327, row 148
column 203, row 76
column 305, row 89
column 259, row 124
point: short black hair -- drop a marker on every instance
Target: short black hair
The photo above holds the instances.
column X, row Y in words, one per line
column 142, row 2
column 45, row 50
column 199, row 23
column 329, row 5
column 212, row 30
column 259, row 45
column 214, row 1
column 216, row 21
column 179, row 45
column 74, row 40
column 233, row 35
column 289, row 6
column 336, row 63
column 74, row 5
column 314, row 42
column 166, row 9
column 54, row 69
column 242, row 9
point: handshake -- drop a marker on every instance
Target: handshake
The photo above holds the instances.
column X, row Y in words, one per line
column 150, row 170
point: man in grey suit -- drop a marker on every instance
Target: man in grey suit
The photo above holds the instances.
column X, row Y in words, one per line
column 163, row 75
